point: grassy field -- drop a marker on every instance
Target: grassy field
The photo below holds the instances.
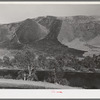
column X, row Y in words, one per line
column 21, row 84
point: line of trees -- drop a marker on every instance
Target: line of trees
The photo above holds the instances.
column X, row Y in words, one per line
column 31, row 61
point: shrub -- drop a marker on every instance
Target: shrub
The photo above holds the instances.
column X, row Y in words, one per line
column 50, row 77
column 20, row 75
column 8, row 77
column 64, row 82
column 1, row 77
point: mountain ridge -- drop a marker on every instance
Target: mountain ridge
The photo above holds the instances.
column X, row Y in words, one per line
column 73, row 32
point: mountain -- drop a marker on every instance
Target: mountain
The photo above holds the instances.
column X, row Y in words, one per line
column 30, row 31
column 73, row 34
column 46, row 21
column 78, row 32
column 7, row 32
column 14, row 35
column 83, row 27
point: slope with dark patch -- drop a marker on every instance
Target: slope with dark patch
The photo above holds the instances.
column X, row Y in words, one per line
column 50, row 43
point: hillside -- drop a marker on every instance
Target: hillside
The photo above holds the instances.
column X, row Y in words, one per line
column 50, row 43
column 30, row 31
column 78, row 32
column 50, row 34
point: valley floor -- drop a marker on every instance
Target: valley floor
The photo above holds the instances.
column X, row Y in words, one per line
column 21, row 84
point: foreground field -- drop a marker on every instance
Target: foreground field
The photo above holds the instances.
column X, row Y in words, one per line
column 20, row 84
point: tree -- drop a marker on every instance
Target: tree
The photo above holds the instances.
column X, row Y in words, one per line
column 1, row 62
column 57, row 73
column 26, row 60
column 60, row 60
column 42, row 61
column 6, row 61
column 13, row 61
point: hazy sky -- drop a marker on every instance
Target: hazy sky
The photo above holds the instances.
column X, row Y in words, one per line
column 17, row 12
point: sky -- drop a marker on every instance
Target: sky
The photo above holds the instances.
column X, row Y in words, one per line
column 17, row 12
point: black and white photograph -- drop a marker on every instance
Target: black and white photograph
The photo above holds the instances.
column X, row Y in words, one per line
column 49, row 46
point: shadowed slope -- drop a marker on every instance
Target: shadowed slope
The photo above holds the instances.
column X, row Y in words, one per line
column 50, row 43
column 30, row 31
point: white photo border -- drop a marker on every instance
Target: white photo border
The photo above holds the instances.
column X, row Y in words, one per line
column 50, row 93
